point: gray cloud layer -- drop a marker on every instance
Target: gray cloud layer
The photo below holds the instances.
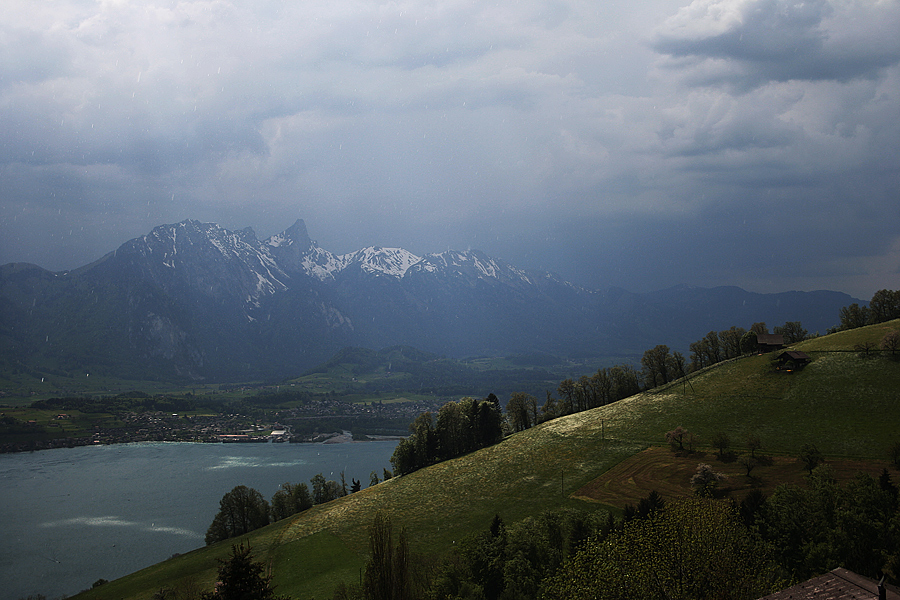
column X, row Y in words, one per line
column 747, row 142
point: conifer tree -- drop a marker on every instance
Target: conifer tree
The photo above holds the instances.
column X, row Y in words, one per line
column 242, row 578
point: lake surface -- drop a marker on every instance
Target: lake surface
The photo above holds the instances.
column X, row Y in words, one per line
column 72, row 516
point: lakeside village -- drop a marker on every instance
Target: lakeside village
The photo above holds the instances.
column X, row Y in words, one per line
column 324, row 421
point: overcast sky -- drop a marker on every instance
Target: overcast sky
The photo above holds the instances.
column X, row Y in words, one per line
column 633, row 144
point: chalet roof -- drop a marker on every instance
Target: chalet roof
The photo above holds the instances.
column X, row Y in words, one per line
column 839, row 584
column 770, row 339
column 795, row 355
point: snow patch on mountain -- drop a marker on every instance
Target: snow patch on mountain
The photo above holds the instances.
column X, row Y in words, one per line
column 472, row 263
column 278, row 240
column 195, row 251
column 293, row 251
column 394, row 262
column 322, row 264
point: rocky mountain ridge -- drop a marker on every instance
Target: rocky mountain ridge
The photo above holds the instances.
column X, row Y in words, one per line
column 194, row 300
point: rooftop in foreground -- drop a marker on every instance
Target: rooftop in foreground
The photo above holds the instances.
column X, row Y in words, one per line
column 839, row 584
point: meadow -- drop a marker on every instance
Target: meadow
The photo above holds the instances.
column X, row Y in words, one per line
column 844, row 403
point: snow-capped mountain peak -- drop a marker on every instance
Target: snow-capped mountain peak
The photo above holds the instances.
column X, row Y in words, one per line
column 295, row 235
column 293, row 252
column 322, row 264
column 212, row 258
column 296, row 252
column 386, row 261
column 472, row 263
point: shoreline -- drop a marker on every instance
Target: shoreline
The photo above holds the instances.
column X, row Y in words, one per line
column 37, row 445
column 347, row 438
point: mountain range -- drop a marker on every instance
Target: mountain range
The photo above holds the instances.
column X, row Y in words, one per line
column 196, row 301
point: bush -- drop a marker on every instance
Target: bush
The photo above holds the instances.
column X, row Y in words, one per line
column 810, row 456
column 894, row 454
column 693, row 548
column 721, row 442
column 705, row 480
column 678, row 437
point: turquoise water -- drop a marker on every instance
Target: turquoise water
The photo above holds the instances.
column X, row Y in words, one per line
column 74, row 515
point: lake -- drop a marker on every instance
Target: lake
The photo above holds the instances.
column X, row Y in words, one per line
column 71, row 516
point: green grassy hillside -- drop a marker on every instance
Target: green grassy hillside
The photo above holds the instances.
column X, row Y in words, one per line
column 845, row 404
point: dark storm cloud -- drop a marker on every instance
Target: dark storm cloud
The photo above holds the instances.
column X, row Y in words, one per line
column 640, row 145
column 750, row 43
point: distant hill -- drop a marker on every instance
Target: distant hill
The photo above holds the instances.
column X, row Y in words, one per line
column 842, row 402
column 405, row 369
column 193, row 301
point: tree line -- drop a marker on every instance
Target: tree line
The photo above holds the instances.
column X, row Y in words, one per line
column 245, row 509
column 466, row 425
column 659, row 366
column 470, row 424
column 716, row 347
column 461, row 427
column 605, row 386
column 129, row 402
column 884, row 306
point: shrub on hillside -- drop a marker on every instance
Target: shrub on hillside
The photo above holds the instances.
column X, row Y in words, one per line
column 705, row 480
column 678, row 438
column 692, row 548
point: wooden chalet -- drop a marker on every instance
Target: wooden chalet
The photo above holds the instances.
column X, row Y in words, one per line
column 791, row 360
column 769, row 342
column 839, row 584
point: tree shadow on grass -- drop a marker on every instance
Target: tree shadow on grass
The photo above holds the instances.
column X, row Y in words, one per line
column 693, row 454
column 728, row 456
column 764, row 460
